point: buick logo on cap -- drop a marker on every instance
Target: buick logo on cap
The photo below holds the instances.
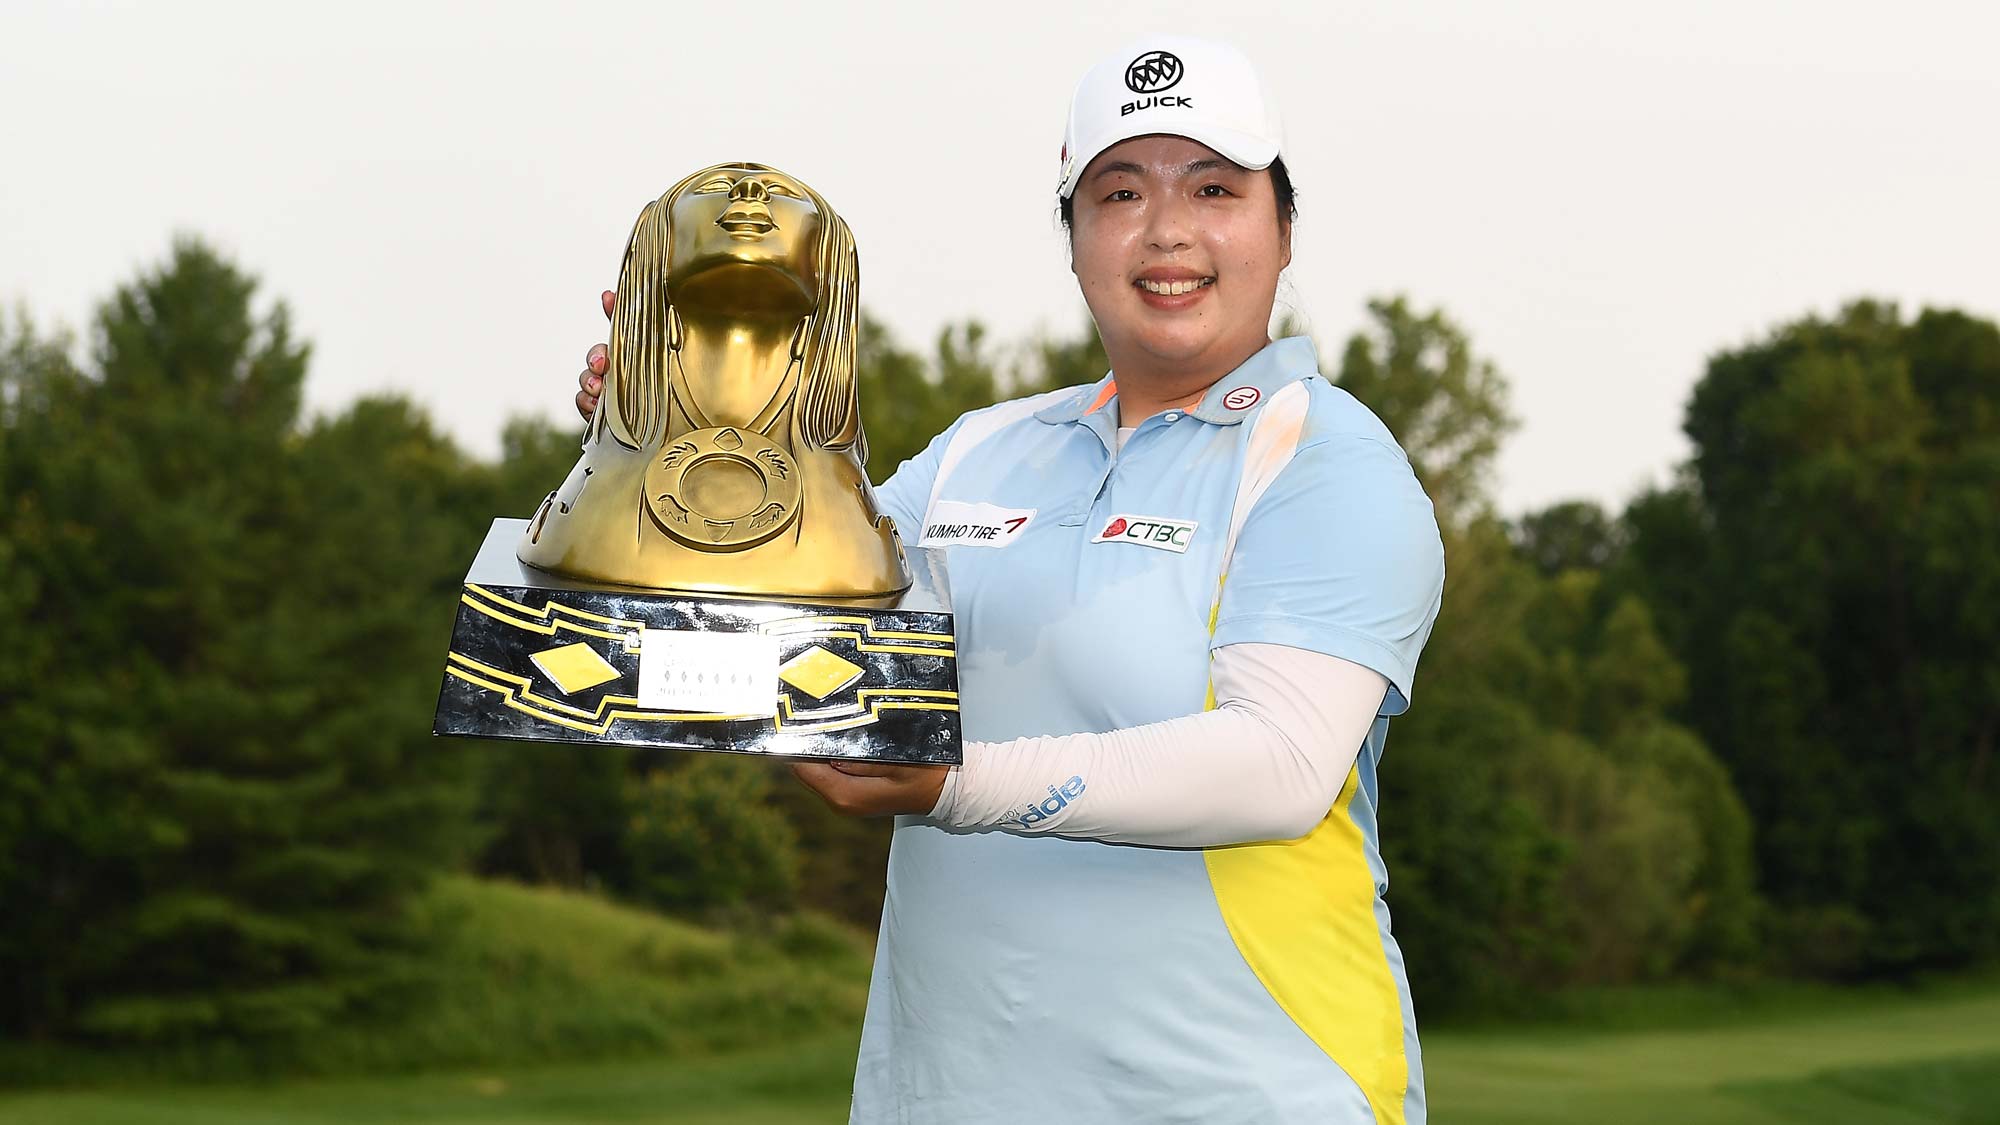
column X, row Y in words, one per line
column 1154, row 71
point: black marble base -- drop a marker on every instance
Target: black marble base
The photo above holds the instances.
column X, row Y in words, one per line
column 857, row 683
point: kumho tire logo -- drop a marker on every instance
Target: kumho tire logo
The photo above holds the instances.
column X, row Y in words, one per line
column 1154, row 71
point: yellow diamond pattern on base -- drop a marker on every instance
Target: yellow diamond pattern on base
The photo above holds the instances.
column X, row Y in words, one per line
column 574, row 667
column 819, row 673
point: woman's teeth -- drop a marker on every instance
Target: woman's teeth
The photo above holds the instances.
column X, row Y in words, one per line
column 1174, row 288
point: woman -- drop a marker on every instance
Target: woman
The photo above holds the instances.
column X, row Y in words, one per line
column 1153, row 891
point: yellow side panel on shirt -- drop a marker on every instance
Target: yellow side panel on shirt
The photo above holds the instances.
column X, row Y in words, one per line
column 1303, row 914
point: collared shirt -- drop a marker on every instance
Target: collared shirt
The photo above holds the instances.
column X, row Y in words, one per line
column 1074, row 980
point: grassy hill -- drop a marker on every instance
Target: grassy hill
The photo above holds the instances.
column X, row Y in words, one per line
column 528, row 974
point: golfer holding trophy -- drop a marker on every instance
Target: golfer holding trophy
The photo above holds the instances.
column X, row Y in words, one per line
column 1184, row 603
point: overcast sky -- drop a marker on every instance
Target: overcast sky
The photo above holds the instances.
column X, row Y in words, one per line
column 1601, row 192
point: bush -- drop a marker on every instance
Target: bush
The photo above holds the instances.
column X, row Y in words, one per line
column 703, row 836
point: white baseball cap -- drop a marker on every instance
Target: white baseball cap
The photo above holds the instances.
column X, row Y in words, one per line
column 1173, row 84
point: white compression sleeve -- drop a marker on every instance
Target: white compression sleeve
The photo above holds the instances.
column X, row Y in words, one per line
column 1265, row 764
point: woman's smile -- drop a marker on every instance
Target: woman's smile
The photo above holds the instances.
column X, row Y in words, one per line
column 1172, row 289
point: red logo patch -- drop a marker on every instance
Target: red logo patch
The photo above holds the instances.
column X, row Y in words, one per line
column 1242, row 398
column 1117, row 528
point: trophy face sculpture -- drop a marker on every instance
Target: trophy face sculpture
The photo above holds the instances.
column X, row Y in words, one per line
column 727, row 453
column 714, row 573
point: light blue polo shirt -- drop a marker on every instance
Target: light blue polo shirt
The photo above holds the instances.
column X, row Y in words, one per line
column 1023, row 977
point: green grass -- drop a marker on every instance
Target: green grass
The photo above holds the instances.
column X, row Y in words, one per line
column 1964, row 1090
column 1895, row 1061
column 525, row 974
column 772, row 1086
column 1919, row 1060
column 701, row 1025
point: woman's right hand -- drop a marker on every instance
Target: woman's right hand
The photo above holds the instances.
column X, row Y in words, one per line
column 591, row 379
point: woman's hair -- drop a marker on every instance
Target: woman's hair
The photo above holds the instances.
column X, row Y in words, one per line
column 1281, row 187
column 826, row 414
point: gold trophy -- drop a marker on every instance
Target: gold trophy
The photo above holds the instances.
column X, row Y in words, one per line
column 714, row 573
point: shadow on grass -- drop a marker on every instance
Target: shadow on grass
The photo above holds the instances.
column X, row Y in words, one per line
column 1960, row 1090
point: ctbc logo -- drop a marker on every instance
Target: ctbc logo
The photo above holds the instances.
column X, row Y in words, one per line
column 1157, row 532
column 1153, row 71
column 1242, row 398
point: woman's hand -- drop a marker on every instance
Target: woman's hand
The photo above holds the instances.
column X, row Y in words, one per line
column 591, row 380
column 873, row 788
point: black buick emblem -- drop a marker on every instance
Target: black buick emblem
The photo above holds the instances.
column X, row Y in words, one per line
column 1154, row 71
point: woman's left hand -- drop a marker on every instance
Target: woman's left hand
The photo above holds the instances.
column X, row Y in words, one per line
column 873, row 788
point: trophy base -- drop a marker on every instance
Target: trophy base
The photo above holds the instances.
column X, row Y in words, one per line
column 539, row 657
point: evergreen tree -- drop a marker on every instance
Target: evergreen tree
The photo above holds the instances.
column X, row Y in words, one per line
column 219, row 789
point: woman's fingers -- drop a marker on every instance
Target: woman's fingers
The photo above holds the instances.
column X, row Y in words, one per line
column 870, row 769
column 833, row 787
column 882, row 790
column 590, row 381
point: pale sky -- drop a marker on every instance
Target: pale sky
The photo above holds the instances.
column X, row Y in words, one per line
column 1602, row 192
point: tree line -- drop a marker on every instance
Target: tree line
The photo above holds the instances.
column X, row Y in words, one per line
column 1744, row 726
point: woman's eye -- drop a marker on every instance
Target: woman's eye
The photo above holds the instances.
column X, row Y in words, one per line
column 717, row 184
column 780, row 189
column 1122, row 195
column 1214, row 191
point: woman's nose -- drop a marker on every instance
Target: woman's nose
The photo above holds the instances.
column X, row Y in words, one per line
column 1169, row 225
column 752, row 189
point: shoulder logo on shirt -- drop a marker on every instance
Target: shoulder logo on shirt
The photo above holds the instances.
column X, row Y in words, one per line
column 1057, row 801
column 1149, row 531
column 1241, row 398
column 952, row 523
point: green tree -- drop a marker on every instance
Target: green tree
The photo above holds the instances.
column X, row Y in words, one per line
column 215, row 801
column 908, row 399
column 1831, row 578
column 1446, row 406
column 1574, row 535
column 1544, row 822
column 1057, row 361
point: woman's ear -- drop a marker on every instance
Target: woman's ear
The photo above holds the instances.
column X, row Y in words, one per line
column 1285, row 244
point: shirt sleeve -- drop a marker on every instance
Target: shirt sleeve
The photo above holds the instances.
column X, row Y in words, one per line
column 906, row 495
column 1266, row 764
column 1340, row 556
